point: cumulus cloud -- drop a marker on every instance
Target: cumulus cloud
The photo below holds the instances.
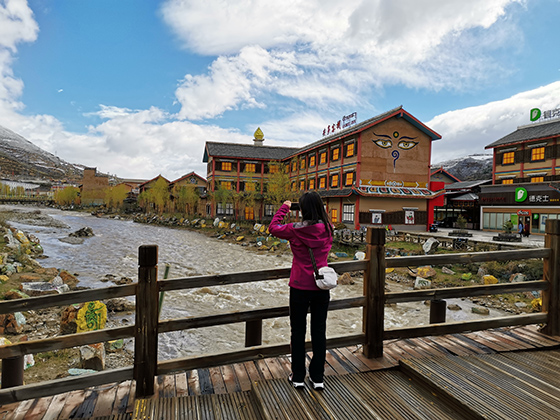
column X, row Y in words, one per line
column 470, row 130
column 338, row 49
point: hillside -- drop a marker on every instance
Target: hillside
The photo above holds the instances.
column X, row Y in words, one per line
column 469, row 168
column 21, row 159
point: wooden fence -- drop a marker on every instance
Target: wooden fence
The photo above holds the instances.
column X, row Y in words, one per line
column 147, row 326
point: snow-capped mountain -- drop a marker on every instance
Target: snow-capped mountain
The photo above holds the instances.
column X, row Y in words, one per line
column 469, row 168
column 22, row 159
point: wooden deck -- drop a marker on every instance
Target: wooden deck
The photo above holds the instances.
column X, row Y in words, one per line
column 116, row 401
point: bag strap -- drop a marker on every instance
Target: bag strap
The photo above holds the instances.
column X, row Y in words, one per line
column 313, row 262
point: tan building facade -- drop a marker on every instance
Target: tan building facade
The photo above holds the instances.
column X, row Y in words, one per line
column 376, row 172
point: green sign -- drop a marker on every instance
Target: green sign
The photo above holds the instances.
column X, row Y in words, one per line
column 520, row 194
column 535, row 114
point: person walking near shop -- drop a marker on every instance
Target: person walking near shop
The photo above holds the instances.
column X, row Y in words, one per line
column 316, row 232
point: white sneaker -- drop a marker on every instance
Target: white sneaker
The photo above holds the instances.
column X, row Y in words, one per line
column 296, row 385
column 317, row 386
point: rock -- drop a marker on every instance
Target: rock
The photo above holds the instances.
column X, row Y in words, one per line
column 517, row 278
column 15, row 294
column 430, row 245
column 92, row 357
column 92, row 316
column 446, row 270
column 480, row 310
column 421, row 283
column 84, row 232
column 38, row 288
column 114, row 346
column 72, row 240
column 489, row 279
column 9, row 325
column 454, row 307
column 68, row 319
column 345, row 279
column 120, row 305
column 426, row 271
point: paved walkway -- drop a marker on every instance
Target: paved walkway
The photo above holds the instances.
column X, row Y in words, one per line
column 533, row 241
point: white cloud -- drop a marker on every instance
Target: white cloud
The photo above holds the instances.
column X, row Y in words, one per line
column 470, row 130
column 339, row 48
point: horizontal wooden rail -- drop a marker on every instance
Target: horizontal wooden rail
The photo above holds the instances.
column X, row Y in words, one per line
column 465, row 326
column 60, row 386
column 247, row 277
column 252, row 353
column 467, row 258
column 65, row 341
column 245, row 316
column 466, row 291
column 40, row 302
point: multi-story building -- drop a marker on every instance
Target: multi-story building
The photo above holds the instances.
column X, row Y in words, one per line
column 526, row 178
column 376, row 172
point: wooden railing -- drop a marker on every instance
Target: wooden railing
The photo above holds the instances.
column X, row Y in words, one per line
column 147, row 326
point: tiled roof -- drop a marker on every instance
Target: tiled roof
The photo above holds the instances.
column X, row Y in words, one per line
column 529, row 132
column 246, row 151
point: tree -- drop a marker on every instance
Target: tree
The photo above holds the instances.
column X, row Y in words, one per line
column 67, row 196
column 278, row 186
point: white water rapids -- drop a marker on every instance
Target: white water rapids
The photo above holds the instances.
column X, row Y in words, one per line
column 114, row 250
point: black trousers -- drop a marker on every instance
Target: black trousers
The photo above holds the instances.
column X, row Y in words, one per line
column 300, row 301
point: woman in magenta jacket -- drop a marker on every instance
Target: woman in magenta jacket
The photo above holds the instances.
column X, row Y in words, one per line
column 316, row 232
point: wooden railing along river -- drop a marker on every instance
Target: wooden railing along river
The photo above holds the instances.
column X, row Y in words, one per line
column 148, row 326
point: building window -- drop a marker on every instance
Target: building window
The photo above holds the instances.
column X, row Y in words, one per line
column 349, row 179
column 537, row 154
column 334, row 216
column 334, row 181
column 349, row 150
column 249, row 213
column 348, row 213
column 225, row 185
column 322, row 158
column 537, row 179
column 273, row 169
column 229, row 209
column 302, row 185
column 226, row 166
column 508, row 158
column 268, row 210
column 250, row 167
column 507, row 181
column 250, row 186
column 323, row 182
column 335, row 153
column 312, row 184
column 302, row 163
column 311, row 161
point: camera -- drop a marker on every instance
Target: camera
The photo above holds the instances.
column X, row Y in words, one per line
column 294, row 206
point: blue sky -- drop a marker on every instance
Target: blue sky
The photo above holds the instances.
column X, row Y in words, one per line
column 135, row 88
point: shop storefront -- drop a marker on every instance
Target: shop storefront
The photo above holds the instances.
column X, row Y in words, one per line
column 532, row 205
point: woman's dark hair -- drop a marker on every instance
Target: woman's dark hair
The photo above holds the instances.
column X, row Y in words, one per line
column 313, row 210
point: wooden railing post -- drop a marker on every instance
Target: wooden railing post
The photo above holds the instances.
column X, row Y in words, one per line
column 551, row 271
column 146, row 334
column 374, row 292
column 253, row 333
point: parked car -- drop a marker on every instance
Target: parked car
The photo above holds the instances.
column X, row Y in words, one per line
column 446, row 222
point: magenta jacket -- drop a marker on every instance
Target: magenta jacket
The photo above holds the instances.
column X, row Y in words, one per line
column 301, row 236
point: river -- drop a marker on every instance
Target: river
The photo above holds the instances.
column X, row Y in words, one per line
column 114, row 250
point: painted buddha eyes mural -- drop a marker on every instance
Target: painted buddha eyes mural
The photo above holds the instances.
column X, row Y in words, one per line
column 402, row 142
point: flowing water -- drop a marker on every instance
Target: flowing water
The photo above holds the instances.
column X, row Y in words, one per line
column 114, row 250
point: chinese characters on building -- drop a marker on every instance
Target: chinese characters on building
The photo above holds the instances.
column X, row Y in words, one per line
column 347, row 121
